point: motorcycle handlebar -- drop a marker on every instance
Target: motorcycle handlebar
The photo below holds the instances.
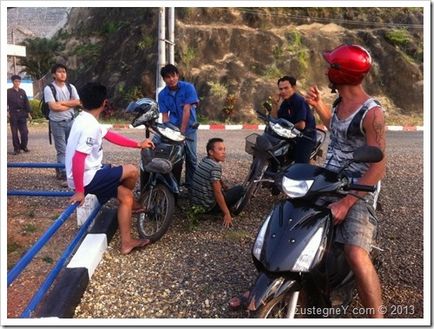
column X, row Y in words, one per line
column 359, row 187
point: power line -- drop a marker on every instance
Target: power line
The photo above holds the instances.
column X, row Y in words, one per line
column 331, row 20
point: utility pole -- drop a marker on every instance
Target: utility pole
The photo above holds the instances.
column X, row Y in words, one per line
column 161, row 49
column 14, row 59
column 171, row 41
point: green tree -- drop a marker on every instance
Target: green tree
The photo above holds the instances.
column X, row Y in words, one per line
column 41, row 54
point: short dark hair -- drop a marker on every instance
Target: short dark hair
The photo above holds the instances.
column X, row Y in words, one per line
column 58, row 66
column 291, row 80
column 169, row 69
column 92, row 95
column 211, row 143
column 15, row 77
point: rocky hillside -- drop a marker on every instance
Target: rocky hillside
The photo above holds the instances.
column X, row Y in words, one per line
column 41, row 22
column 235, row 55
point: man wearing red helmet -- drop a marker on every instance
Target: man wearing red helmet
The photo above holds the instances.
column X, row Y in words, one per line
column 354, row 120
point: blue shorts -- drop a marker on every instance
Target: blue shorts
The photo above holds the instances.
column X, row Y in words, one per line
column 105, row 183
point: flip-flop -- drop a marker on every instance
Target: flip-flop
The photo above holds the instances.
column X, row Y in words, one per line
column 143, row 244
column 243, row 302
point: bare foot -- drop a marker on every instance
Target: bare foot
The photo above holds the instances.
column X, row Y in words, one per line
column 126, row 249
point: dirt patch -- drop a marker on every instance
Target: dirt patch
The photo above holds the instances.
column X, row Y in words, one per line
column 28, row 219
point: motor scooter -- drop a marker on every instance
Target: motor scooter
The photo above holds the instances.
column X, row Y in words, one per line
column 158, row 186
column 272, row 152
column 300, row 266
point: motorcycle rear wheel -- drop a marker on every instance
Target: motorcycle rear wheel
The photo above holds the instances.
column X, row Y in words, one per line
column 155, row 221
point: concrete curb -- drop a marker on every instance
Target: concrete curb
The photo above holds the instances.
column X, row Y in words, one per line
column 73, row 280
column 253, row 127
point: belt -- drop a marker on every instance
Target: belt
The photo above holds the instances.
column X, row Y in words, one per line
column 66, row 120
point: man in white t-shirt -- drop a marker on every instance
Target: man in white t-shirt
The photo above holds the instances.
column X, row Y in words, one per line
column 84, row 168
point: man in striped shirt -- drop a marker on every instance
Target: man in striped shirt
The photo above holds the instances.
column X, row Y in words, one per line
column 208, row 189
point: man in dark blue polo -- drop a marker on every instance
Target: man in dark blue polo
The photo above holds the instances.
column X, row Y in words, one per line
column 294, row 108
column 177, row 102
column 18, row 112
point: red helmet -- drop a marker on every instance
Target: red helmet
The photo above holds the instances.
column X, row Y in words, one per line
column 348, row 64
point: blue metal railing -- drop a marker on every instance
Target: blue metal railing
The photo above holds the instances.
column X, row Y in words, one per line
column 37, row 297
column 35, row 165
column 37, row 193
column 27, row 258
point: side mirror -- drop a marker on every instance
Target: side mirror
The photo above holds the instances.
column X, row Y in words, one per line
column 369, row 154
column 267, row 106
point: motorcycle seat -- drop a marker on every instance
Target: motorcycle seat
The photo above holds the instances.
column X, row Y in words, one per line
column 159, row 165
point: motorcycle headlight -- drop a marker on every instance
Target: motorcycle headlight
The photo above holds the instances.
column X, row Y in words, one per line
column 295, row 188
column 315, row 245
column 171, row 134
column 259, row 242
column 282, row 131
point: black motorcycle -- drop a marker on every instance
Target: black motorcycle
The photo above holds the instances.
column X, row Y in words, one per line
column 158, row 186
column 272, row 152
column 302, row 272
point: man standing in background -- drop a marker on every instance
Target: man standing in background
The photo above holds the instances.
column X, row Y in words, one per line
column 62, row 98
column 177, row 102
column 18, row 112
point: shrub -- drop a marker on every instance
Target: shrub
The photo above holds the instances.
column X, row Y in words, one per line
column 217, row 89
column 145, row 43
column 36, row 110
column 398, row 37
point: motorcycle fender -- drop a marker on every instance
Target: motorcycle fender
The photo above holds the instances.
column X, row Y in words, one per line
column 267, row 287
column 168, row 180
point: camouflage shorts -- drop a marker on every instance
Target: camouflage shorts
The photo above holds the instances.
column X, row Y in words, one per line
column 359, row 227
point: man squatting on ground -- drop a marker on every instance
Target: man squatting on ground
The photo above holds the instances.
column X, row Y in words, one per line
column 208, row 189
column 85, row 171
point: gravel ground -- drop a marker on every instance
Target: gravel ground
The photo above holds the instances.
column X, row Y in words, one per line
column 193, row 273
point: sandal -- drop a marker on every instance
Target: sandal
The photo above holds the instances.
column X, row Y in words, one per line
column 138, row 211
column 240, row 302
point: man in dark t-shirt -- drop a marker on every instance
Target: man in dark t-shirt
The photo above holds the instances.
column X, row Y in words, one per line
column 294, row 108
column 18, row 113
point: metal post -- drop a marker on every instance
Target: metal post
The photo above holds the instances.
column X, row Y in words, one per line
column 172, row 35
column 161, row 49
column 14, row 59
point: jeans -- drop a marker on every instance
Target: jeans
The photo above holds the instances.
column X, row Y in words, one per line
column 303, row 150
column 190, row 158
column 190, row 147
column 60, row 131
column 232, row 196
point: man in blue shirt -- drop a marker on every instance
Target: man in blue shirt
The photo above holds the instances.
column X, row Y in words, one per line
column 177, row 102
column 294, row 108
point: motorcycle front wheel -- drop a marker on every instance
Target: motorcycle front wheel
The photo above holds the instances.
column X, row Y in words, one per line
column 279, row 307
column 155, row 221
column 245, row 199
column 256, row 172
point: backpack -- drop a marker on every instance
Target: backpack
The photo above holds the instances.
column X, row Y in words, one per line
column 45, row 109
